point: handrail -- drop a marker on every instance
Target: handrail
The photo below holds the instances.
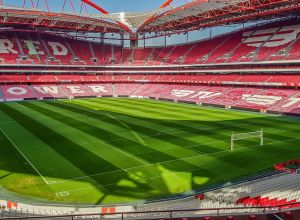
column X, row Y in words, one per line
column 264, row 210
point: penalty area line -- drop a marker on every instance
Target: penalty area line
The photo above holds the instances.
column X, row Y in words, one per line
column 189, row 170
column 179, row 159
column 23, row 155
column 107, row 143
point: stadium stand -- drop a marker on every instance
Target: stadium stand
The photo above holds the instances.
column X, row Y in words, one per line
column 77, row 90
column 248, row 69
column 126, row 89
column 277, row 41
column 41, row 78
column 182, row 88
column 16, row 78
column 17, row 92
column 46, row 91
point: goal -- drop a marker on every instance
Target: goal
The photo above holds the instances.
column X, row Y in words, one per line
column 241, row 136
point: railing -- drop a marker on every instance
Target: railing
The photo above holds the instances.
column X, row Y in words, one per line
column 257, row 210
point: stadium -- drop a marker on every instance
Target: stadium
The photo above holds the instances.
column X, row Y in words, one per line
column 189, row 110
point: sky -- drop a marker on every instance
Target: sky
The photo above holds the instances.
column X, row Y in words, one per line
column 109, row 5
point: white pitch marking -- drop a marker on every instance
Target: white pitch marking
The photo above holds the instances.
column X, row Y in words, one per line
column 158, row 133
column 154, row 177
column 200, row 155
column 121, row 151
column 127, row 154
column 63, row 194
column 25, row 157
column 138, row 137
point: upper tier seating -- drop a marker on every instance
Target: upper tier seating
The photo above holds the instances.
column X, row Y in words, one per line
column 10, row 52
column 141, row 55
column 199, row 52
column 276, row 41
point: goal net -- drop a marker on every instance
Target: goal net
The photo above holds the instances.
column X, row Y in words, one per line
column 241, row 136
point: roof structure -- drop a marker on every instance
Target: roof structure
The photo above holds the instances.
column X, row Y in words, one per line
column 132, row 19
column 206, row 13
column 164, row 20
column 33, row 19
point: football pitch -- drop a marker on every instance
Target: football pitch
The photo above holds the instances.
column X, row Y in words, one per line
column 123, row 150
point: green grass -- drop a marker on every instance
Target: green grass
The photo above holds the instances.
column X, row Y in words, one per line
column 121, row 150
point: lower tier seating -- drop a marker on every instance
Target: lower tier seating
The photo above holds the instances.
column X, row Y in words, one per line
column 259, row 99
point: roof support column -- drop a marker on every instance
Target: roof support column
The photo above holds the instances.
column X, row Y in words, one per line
column 133, row 41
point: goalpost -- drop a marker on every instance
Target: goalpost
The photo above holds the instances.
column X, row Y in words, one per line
column 241, row 136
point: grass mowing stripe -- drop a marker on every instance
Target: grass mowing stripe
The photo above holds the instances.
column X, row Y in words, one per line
column 141, row 128
column 176, row 140
column 164, row 177
column 191, row 170
column 146, row 129
column 38, row 152
column 23, row 155
column 196, row 112
column 128, row 147
column 170, row 123
column 239, row 126
column 138, row 137
column 183, row 123
column 250, row 121
column 206, row 133
column 70, row 151
column 132, row 120
column 252, row 117
column 93, row 149
column 150, row 112
column 183, row 113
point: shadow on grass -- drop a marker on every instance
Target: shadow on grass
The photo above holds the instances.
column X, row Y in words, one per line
column 216, row 168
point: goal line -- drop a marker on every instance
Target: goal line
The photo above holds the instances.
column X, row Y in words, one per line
column 247, row 135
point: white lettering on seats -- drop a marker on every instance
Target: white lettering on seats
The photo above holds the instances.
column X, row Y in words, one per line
column 58, row 48
column 271, row 37
column 6, row 46
column 182, row 93
column 33, row 47
column 17, row 91
column 46, row 89
column 75, row 89
column 98, row 89
column 261, row 99
column 292, row 101
column 206, row 94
